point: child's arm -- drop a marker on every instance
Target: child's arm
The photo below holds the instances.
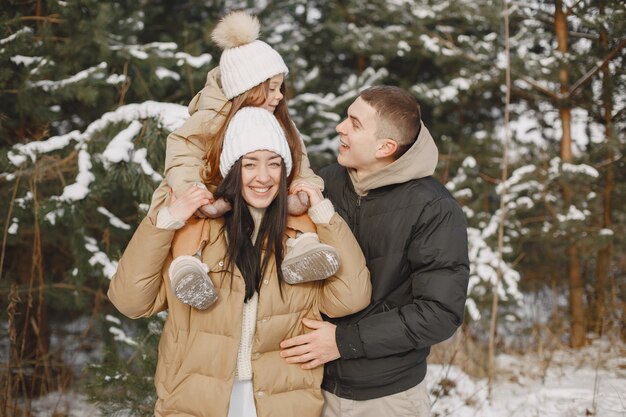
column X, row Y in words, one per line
column 298, row 203
column 306, row 174
column 183, row 161
column 187, row 145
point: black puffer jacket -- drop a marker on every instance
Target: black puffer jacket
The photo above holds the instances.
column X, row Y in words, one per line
column 414, row 238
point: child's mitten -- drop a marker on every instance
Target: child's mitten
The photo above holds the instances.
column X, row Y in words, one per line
column 215, row 210
column 298, row 204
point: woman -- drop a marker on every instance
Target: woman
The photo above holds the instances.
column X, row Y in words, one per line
column 224, row 361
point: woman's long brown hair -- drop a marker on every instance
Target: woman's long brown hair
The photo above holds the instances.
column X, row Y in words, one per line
column 256, row 96
column 250, row 257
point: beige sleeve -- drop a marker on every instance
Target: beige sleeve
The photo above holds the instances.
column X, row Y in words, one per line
column 306, row 174
column 187, row 145
column 183, row 161
column 160, row 197
column 322, row 212
column 184, row 155
column 138, row 289
column 350, row 290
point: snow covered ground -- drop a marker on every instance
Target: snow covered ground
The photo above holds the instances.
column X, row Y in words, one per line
column 587, row 382
column 567, row 383
column 68, row 404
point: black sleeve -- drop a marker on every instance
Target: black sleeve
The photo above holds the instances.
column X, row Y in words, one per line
column 438, row 258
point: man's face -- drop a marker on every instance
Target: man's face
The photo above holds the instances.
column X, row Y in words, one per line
column 357, row 138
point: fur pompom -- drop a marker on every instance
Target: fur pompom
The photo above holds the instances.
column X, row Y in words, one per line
column 236, row 29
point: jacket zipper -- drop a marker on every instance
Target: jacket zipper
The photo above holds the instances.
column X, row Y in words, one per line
column 357, row 212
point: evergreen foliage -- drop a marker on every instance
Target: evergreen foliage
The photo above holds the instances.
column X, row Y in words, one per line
column 123, row 383
column 91, row 89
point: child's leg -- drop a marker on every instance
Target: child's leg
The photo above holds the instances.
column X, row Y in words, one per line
column 302, row 224
column 189, row 239
column 188, row 275
column 306, row 258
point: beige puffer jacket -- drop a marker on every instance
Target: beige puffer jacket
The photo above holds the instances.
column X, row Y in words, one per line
column 186, row 145
column 198, row 349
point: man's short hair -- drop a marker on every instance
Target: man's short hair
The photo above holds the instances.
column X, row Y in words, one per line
column 399, row 115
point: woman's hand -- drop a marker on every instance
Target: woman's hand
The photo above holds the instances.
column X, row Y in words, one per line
column 184, row 207
column 314, row 193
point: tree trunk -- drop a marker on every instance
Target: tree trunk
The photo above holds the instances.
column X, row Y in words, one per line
column 602, row 269
column 565, row 111
column 361, row 64
column 604, row 254
column 566, row 138
column 577, row 310
column 29, row 352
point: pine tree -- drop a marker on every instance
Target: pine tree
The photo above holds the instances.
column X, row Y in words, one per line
column 78, row 165
column 92, row 89
column 555, row 60
column 601, row 94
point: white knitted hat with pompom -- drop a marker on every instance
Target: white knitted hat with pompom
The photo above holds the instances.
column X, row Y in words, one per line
column 246, row 61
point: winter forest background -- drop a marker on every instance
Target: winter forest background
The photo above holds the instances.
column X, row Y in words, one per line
column 526, row 101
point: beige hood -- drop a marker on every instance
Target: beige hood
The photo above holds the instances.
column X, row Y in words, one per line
column 204, row 107
column 418, row 162
column 211, row 96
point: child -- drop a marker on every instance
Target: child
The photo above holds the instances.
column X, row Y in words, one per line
column 251, row 74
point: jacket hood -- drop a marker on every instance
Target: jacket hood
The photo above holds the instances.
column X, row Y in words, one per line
column 418, row 162
column 211, row 96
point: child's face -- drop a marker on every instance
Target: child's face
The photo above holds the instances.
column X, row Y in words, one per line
column 274, row 95
column 260, row 177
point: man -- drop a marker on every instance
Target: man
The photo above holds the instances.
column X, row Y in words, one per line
column 413, row 235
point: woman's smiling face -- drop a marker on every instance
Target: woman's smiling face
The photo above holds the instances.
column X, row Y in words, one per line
column 260, row 177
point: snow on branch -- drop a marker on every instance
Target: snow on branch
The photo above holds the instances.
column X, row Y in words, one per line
column 100, row 258
column 120, row 336
column 350, row 89
column 49, row 85
column 120, row 147
column 169, row 116
column 164, row 50
column 483, row 272
column 557, row 168
column 113, row 219
column 15, row 35
column 80, row 189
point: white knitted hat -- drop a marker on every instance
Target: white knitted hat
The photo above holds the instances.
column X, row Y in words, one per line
column 253, row 129
column 246, row 61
